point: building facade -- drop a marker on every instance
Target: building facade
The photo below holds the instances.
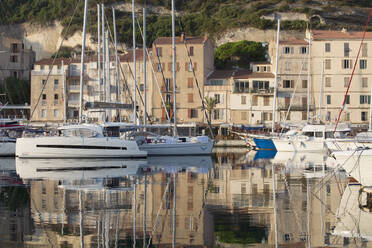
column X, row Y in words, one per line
column 16, row 60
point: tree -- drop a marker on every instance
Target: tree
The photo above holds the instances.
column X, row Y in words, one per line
column 209, row 105
column 16, row 91
column 239, row 53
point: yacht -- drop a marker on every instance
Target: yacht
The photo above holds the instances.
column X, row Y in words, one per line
column 317, row 138
column 78, row 141
column 173, row 146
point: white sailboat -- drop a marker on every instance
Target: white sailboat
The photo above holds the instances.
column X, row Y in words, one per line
column 78, row 141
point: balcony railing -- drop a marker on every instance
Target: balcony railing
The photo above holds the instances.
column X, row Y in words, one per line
column 296, row 107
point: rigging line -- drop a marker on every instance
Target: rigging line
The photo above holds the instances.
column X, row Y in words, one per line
column 54, row 59
column 352, row 73
column 197, row 83
column 158, row 213
column 162, row 73
column 294, row 92
column 137, row 87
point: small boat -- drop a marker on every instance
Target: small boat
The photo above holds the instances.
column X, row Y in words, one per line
column 78, row 141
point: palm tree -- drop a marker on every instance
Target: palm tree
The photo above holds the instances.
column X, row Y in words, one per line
column 209, row 105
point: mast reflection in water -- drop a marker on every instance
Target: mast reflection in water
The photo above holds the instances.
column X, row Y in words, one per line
column 225, row 200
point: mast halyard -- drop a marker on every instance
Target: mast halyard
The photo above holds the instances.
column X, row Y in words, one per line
column 276, row 76
column 82, row 62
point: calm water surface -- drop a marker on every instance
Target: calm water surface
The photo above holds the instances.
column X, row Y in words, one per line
column 226, row 200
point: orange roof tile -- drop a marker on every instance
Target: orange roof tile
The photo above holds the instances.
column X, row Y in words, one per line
column 293, row 41
column 331, row 34
column 178, row 40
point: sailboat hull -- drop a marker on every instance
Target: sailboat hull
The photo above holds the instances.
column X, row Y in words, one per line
column 186, row 148
column 77, row 147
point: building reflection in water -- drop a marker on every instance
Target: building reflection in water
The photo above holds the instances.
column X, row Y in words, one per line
column 226, row 200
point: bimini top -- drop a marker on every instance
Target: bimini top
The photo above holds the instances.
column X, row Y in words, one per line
column 81, row 130
column 326, row 128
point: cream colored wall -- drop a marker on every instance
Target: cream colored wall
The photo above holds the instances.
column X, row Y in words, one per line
column 337, row 75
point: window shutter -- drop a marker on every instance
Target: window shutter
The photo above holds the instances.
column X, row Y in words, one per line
column 292, row 50
column 162, row 66
column 361, row 99
column 221, row 114
column 189, row 113
column 186, row 66
column 169, row 66
column 221, row 98
column 369, row 99
column 178, row 66
column 195, row 66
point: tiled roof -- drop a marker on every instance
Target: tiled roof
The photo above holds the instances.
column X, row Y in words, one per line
column 327, row 34
column 293, row 41
column 128, row 57
column 179, row 40
column 261, row 63
column 58, row 61
column 221, row 74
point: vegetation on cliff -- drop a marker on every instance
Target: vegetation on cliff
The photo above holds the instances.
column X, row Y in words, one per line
column 196, row 16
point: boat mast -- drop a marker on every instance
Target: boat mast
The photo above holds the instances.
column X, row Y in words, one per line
column 104, row 52
column 275, row 210
column 99, row 49
column 321, row 93
column 370, row 114
column 276, row 75
column 64, row 94
column 144, row 68
column 82, row 61
column 174, row 71
column 308, row 81
column 117, row 62
column 134, row 66
column 108, row 85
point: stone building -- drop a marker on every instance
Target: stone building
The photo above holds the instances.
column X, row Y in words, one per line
column 16, row 60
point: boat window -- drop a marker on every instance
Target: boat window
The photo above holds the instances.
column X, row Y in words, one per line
column 79, row 132
column 319, row 134
column 309, row 134
column 329, row 135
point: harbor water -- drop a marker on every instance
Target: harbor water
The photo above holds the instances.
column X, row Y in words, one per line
column 234, row 198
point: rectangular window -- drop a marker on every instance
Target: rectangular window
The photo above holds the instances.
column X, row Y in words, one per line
column 243, row 115
column 363, row 64
column 346, row 81
column 287, row 101
column 327, row 82
column 254, row 100
column 43, row 113
column 304, row 84
column 257, row 68
column 167, row 84
column 14, row 59
column 364, row 99
column 288, row 83
column 363, row 116
column 287, row 50
column 327, row 64
column 303, row 50
column 364, row 50
column 304, row 101
column 189, row 67
column 266, row 100
column 347, row 99
column 243, row 100
column 55, row 113
column 346, row 49
column 55, row 84
column 43, row 82
column 347, row 116
column 346, row 63
column 190, row 83
column 304, row 115
column 216, row 114
column 159, row 67
column 55, row 99
column 191, row 51
column 364, row 82
column 15, row 48
column 217, row 97
column 327, row 47
column 193, row 113
column 168, row 98
column 190, row 97
column 287, row 66
column 328, row 99
column 142, row 87
column 159, row 51
column 59, row 67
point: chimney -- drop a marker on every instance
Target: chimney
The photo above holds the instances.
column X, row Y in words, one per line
column 182, row 37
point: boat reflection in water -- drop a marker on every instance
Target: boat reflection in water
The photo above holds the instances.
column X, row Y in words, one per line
column 354, row 215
